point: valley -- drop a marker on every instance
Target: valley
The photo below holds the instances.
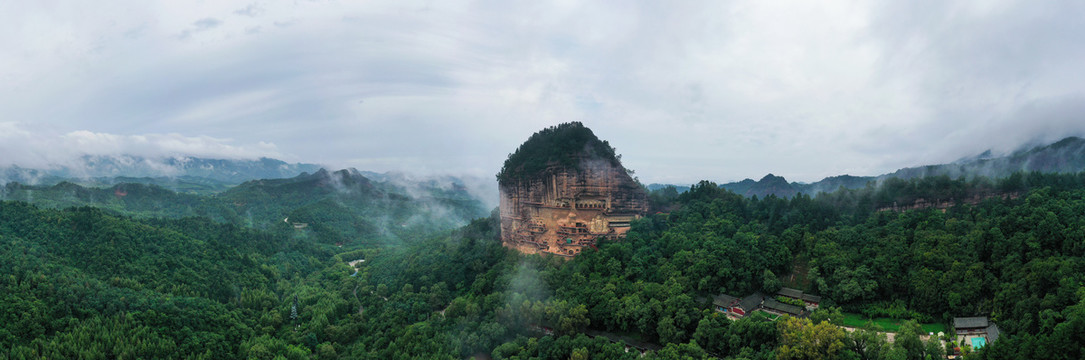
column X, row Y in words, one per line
column 542, row 180
column 399, row 269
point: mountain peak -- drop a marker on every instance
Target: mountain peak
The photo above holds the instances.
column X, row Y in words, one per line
column 772, row 178
column 1066, row 142
column 564, row 145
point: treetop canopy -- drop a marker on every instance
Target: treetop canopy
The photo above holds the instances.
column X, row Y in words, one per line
column 563, row 145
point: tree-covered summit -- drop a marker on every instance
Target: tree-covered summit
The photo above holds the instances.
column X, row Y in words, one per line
column 562, row 145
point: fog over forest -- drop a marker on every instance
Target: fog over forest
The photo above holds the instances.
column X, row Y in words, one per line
column 554, row 180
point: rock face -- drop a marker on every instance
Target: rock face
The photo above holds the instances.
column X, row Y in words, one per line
column 566, row 207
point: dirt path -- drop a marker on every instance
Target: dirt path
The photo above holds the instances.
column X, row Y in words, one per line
column 354, row 264
column 360, row 308
column 888, row 335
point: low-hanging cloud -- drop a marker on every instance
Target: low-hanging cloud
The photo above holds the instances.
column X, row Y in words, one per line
column 26, row 148
column 200, row 25
column 250, row 10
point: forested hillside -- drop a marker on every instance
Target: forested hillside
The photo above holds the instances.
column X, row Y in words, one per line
column 564, row 145
column 344, row 207
column 1066, row 156
column 78, row 283
column 333, row 208
column 82, row 282
column 163, row 169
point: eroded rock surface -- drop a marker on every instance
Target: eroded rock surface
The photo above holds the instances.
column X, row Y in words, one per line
column 562, row 210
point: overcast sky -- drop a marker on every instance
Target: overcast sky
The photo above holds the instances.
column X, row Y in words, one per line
column 720, row 90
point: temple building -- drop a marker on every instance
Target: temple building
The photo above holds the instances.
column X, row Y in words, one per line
column 569, row 204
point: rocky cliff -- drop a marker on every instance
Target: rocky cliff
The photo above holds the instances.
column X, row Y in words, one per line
column 578, row 196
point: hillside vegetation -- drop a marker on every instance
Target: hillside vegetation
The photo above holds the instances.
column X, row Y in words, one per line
column 334, row 208
column 563, row 145
column 84, row 283
column 1066, row 156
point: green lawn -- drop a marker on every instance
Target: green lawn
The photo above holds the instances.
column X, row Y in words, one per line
column 887, row 324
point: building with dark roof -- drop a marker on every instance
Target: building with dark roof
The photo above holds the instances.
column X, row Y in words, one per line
column 749, row 303
column 789, row 292
column 734, row 306
column 970, row 324
column 993, row 332
column 810, row 300
column 723, row 303
column 977, row 331
column 774, row 306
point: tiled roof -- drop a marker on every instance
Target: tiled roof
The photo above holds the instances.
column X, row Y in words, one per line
column 992, row 332
column 752, row 301
column 781, row 307
column 724, row 300
column 970, row 322
column 789, row 292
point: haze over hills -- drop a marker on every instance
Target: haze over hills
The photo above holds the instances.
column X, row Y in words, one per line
column 1064, row 156
column 343, row 205
column 351, row 264
column 335, row 207
column 195, row 175
column 482, row 188
column 198, row 175
column 319, row 180
column 104, row 168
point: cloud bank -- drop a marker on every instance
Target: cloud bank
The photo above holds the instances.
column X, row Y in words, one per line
column 685, row 91
column 38, row 149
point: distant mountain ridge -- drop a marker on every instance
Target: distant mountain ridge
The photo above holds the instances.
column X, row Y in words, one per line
column 345, row 204
column 336, row 207
column 1065, row 156
column 102, row 168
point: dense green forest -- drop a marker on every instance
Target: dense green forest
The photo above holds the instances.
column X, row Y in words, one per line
column 86, row 282
column 563, row 145
column 333, row 208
